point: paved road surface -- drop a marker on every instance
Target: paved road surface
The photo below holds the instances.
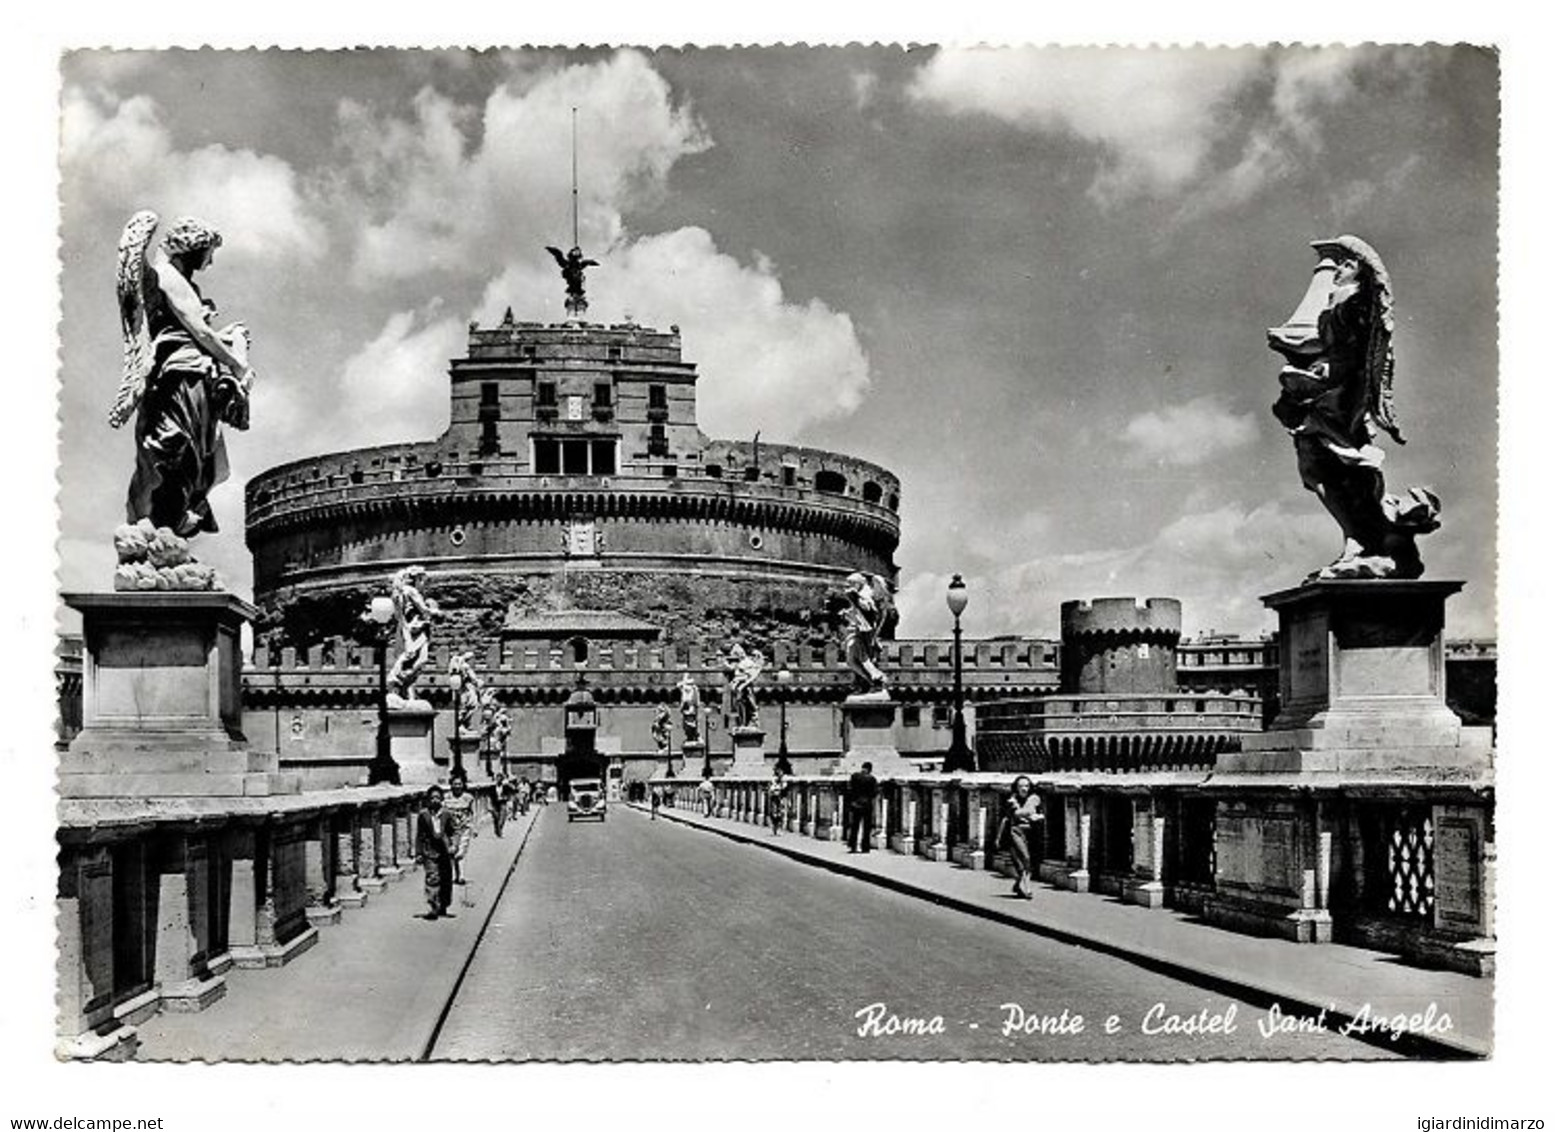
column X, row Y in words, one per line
column 643, row 940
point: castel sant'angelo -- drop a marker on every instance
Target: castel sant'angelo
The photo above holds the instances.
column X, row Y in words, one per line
column 577, row 527
column 572, row 490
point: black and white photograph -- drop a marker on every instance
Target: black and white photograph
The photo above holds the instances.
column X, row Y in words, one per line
column 626, row 558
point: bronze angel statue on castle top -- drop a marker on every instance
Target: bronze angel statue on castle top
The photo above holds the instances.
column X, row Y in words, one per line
column 183, row 379
column 573, row 265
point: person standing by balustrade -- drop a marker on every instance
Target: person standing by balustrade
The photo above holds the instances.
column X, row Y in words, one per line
column 1022, row 817
column 777, row 801
column 859, row 818
column 435, row 834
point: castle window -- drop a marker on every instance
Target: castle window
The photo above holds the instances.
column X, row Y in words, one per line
column 941, row 715
column 489, row 443
column 602, row 394
column 614, row 353
column 833, row 483
column 658, row 441
column 752, row 474
column 434, row 468
column 488, row 394
column 790, row 475
column 603, row 453
column 575, row 457
column 545, row 394
column 670, row 471
column 357, row 476
column 871, row 492
column 912, row 716
column 893, row 502
column 548, row 458
column 580, row 650
column 657, row 398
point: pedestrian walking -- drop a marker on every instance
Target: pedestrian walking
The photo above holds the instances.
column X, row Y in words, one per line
column 705, row 792
column 859, row 820
column 435, row 835
column 655, row 796
column 1022, row 816
column 499, row 803
column 523, row 796
column 777, row 801
column 460, row 805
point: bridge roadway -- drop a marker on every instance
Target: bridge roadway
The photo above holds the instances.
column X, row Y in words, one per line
column 647, row 940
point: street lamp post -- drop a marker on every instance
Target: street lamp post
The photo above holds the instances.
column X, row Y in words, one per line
column 785, row 678
column 383, row 768
column 456, row 682
column 960, row 757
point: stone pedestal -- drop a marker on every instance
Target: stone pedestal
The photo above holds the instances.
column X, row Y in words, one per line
column 750, row 759
column 162, row 684
column 1268, row 856
column 871, row 725
column 88, row 1028
column 1363, row 701
column 183, row 977
column 410, row 745
column 1363, row 681
column 1145, row 886
column 693, row 754
column 468, row 747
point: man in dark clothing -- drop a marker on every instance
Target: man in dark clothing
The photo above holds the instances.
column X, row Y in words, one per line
column 435, row 833
column 862, row 789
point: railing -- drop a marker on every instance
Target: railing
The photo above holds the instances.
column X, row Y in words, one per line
column 1419, row 894
column 155, row 903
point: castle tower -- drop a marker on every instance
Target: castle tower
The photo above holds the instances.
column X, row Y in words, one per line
column 572, row 480
column 1117, row 644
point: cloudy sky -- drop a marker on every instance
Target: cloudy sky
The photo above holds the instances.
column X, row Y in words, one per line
column 1034, row 283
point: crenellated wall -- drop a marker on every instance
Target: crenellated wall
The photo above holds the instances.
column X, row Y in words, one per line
column 1119, row 644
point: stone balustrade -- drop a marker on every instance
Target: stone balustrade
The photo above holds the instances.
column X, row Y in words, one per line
column 158, row 898
column 1408, row 868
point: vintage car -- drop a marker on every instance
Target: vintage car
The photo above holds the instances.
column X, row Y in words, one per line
column 586, row 799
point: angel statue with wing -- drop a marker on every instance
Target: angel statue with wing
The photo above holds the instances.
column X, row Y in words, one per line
column 1336, row 397
column 182, row 380
column 573, row 265
column 868, row 615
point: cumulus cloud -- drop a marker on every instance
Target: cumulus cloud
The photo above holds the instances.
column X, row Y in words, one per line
column 764, row 362
column 433, row 198
column 436, row 199
column 1188, row 434
column 397, row 384
column 1217, row 561
column 1306, row 82
column 1153, row 113
column 117, row 157
column 1159, row 117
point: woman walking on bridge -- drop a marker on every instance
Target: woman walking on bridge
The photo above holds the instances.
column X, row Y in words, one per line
column 461, row 807
column 1022, row 815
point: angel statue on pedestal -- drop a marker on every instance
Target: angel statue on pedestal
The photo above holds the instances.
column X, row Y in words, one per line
column 182, row 379
column 1336, row 397
column 414, row 613
column 868, row 615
